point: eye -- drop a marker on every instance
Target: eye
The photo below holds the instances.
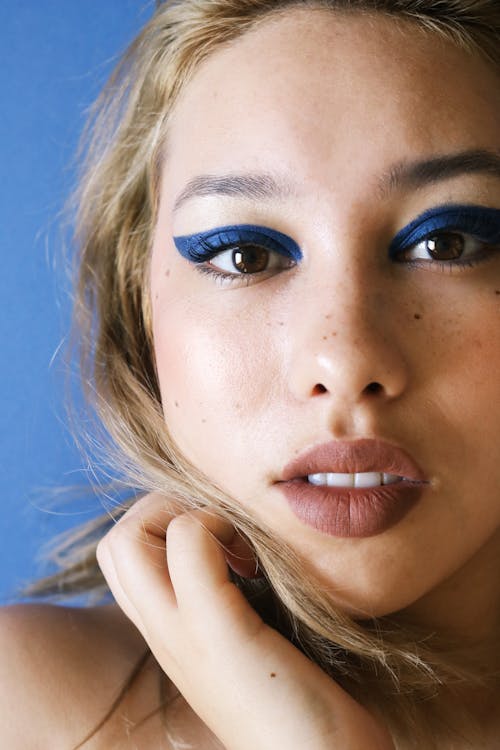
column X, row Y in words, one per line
column 239, row 252
column 449, row 237
column 444, row 246
column 249, row 259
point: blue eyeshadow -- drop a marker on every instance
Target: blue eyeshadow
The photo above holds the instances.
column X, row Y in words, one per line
column 200, row 247
column 481, row 222
column 478, row 221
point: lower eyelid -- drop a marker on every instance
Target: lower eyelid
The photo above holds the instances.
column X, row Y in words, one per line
column 474, row 258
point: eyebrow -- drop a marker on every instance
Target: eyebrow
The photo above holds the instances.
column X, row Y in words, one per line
column 439, row 168
column 255, row 186
column 264, row 186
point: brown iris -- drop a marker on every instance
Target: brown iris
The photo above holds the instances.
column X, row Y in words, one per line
column 250, row 258
column 446, row 246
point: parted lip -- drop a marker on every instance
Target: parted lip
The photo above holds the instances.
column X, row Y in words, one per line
column 353, row 457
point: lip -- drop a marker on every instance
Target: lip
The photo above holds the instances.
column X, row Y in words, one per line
column 352, row 511
column 354, row 457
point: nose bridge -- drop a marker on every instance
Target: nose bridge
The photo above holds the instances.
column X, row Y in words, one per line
column 345, row 343
column 352, row 309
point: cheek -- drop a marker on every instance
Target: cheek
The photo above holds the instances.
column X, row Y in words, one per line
column 216, row 367
column 470, row 338
column 463, row 391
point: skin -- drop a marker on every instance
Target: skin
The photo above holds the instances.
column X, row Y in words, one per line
column 252, row 375
column 239, row 367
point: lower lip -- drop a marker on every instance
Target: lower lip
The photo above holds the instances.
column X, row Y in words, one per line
column 351, row 511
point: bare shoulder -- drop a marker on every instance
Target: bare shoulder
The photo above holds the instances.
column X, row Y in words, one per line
column 61, row 668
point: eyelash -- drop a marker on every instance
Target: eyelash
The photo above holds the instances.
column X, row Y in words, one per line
column 223, row 277
column 471, row 223
column 451, row 265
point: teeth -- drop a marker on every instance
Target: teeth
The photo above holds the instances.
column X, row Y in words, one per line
column 340, row 480
column 390, row 478
column 368, row 479
column 362, row 479
column 317, row 478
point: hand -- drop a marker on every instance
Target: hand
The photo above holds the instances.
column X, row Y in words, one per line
column 249, row 685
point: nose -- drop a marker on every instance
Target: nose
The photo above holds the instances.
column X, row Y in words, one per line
column 347, row 347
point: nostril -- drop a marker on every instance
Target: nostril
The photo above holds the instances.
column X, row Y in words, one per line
column 318, row 389
column 373, row 388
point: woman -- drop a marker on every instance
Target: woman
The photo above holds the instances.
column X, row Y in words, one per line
column 290, row 270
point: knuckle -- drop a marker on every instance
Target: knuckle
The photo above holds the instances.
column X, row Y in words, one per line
column 184, row 523
column 179, row 529
column 100, row 552
column 183, row 534
column 118, row 537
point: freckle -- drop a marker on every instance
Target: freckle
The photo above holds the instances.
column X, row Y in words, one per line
column 325, row 338
column 334, row 333
column 167, row 272
column 327, row 317
column 176, row 403
column 497, row 291
column 417, row 316
column 272, row 674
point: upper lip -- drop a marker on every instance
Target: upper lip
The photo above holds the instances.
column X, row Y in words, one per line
column 353, row 457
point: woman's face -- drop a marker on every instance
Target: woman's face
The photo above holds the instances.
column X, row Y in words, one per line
column 338, row 132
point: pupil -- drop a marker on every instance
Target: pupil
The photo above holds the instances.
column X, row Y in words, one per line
column 250, row 259
column 446, row 246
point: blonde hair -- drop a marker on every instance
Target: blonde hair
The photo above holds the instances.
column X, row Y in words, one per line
column 386, row 663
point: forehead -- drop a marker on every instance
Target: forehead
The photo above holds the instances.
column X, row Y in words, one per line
column 329, row 95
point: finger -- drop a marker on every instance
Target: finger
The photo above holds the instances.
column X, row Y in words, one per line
column 200, row 575
column 199, row 534
column 135, row 548
column 108, row 569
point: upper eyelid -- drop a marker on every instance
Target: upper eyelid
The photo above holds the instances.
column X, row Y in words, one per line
column 456, row 217
column 189, row 245
column 448, row 216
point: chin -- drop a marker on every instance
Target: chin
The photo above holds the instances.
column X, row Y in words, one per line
column 381, row 599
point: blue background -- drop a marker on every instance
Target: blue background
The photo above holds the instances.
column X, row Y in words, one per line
column 54, row 57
